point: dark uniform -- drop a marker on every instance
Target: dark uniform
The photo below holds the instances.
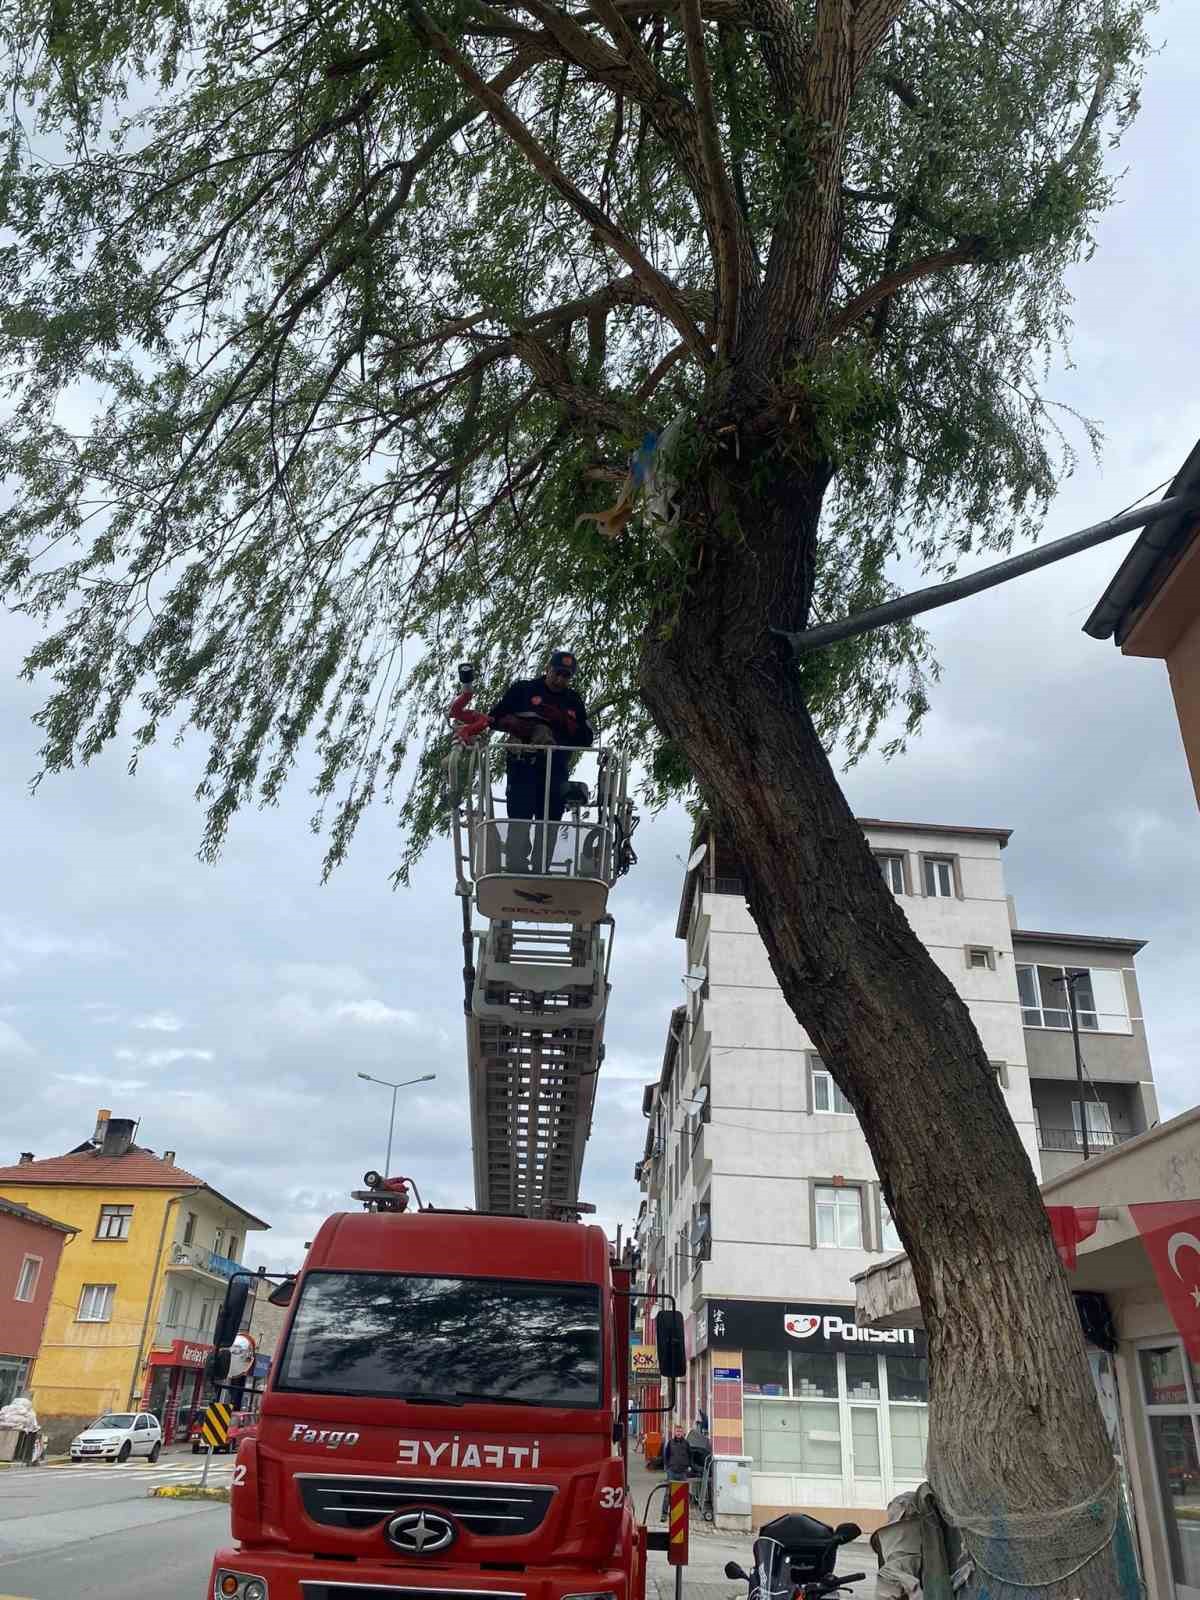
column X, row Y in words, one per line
column 533, row 701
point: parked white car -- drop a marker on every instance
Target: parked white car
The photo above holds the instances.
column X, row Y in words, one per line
column 118, row 1435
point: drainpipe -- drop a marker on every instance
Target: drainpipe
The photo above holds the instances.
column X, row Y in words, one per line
column 162, row 1239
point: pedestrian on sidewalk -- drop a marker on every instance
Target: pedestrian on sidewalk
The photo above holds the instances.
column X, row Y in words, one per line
column 677, row 1461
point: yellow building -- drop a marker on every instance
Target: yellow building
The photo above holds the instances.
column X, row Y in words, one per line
column 139, row 1287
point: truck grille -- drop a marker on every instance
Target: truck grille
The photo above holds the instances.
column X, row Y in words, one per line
column 388, row 1591
column 502, row 1510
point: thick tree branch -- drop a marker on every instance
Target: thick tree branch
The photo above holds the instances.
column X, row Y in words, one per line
column 627, row 43
column 660, row 290
column 657, row 373
column 923, row 267
column 726, row 228
column 802, row 264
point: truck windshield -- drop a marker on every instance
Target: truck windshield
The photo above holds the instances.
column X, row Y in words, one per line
column 445, row 1339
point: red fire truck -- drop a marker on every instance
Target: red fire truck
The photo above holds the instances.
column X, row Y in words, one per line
column 445, row 1416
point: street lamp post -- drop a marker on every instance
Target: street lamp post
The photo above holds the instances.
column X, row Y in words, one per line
column 1068, row 982
column 427, row 1077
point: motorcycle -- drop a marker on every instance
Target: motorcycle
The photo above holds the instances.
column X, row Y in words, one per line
column 794, row 1558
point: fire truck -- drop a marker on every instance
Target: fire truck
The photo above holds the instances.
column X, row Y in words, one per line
column 445, row 1416
column 446, row 1413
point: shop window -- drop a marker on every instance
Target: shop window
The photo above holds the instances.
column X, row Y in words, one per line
column 864, row 1438
column 862, row 1377
column 910, row 1437
column 908, row 1378
column 1172, row 1395
column 814, row 1376
column 765, row 1372
column 13, row 1372
column 794, row 1437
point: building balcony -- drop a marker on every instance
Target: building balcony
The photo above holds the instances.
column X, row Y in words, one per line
column 1072, row 1139
column 206, row 1264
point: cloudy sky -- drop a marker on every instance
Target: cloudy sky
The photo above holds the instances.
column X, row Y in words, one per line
column 230, row 1006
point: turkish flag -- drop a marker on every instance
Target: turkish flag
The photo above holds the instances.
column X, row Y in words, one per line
column 1170, row 1230
column 1071, row 1225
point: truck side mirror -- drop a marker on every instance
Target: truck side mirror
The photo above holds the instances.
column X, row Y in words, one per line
column 229, row 1321
column 281, row 1294
column 672, row 1354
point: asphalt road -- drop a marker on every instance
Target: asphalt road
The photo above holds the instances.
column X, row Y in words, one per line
column 91, row 1532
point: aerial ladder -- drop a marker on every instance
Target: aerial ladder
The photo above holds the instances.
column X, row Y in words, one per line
column 536, row 969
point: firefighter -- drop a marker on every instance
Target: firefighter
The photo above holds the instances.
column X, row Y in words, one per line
column 547, row 712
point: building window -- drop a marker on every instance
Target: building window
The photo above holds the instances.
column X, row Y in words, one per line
column 174, row 1306
column 189, row 1228
column 27, row 1278
column 892, row 867
column 205, row 1310
column 218, row 1241
column 96, row 1302
column 231, row 1249
column 826, row 1096
column 839, row 1218
column 13, row 1372
column 937, row 875
column 1099, row 1124
column 114, row 1222
column 889, row 1238
column 1100, row 1005
column 981, row 958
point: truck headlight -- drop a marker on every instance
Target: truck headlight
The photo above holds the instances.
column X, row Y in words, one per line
column 239, row 1586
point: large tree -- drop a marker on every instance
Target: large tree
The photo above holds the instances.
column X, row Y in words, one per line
column 325, row 323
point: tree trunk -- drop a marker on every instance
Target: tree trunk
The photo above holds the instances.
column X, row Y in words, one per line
column 1015, row 1426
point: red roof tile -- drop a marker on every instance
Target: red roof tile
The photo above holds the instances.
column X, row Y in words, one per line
column 136, row 1169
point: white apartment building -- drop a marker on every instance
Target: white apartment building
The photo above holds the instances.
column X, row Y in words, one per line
column 762, row 1202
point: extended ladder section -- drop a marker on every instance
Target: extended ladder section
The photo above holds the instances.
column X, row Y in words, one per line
column 536, row 974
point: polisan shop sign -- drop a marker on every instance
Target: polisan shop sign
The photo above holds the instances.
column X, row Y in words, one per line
column 765, row 1325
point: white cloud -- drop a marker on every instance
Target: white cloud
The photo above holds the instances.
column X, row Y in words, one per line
column 36, row 944
column 12, row 1043
column 299, row 1011
column 163, row 1058
column 158, row 1022
column 374, row 1014
column 323, row 977
column 98, row 1080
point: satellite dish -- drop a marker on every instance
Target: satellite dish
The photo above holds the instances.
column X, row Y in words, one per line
column 695, row 979
column 696, row 857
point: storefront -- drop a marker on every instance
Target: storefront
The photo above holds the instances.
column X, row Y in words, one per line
column 1136, row 1279
column 834, row 1416
column 176, row 1386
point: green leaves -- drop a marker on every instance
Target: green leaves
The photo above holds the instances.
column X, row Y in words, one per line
column 301, row 411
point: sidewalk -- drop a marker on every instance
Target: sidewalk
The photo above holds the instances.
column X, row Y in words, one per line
column 710, row 1548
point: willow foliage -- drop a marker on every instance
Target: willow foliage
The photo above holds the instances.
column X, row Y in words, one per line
column 311, row 360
